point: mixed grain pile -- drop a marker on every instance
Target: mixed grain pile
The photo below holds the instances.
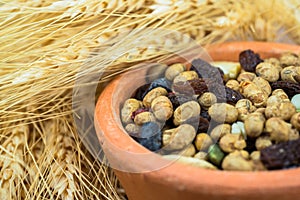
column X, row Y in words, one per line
column 44, row 44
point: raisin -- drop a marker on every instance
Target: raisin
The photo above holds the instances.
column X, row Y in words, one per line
column 191, row 87
column 161, row 82
column 206, row 70
column 232, row 96
column 138, row 111
column 203, row 125
column 150, row 136
column 178, row 99
column 291, row 89
column 204, row 113
column 281, row 155
column 249, row 60
column 139, row 93
column 250, row 144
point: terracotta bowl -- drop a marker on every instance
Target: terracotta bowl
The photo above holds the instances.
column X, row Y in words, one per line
column 146, row 175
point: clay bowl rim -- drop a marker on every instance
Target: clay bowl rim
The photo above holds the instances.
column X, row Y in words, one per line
column 268, row 180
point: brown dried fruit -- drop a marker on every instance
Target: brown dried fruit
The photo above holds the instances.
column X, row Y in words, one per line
column 289, row 88
column 281, row 155
column 249, row 60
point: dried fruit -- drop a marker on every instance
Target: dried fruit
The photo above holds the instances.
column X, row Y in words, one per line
column 281, row 155
column 232, row 96
column 178, row 99
column 150, row 136
column 191, row 87
column 249, row 60
column 291, row 89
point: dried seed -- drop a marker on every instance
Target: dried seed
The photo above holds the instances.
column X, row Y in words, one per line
column 215, row 154
column 174, row 70
column 203, row 141
column 186, row 111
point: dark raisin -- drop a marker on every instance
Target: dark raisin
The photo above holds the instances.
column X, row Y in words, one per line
column 206, row 70
column 139, row 93
column 138, row 111
column 203, row 125
column 249, row 60
column 204, row 113
column 150, row 136
column 291, row 89
column 281, row 155
column 178, row 99
column 232, row 96
column 217, row 89
column 161, row 82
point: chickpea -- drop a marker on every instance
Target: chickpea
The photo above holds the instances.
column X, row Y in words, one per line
column 291, row 74
column 186, row 111
column 174, row 70
column 235, row 161
column 284, row 110
column 295, row 121
column 155, row 71
column 151, row 95
column 130, row 105
column 253, row 93
column 244, row 107
column 267, row 71
column 278, row 129
column 207, row 99
column 280, row 94
column 180, row 137
column 162, row 108
column 263, row 84
column 254, row 124
column 246, row 76
column 144, row 117
column 219, row 131
column 262, row 142
column 275, row 62
column 293, row 134
column 202, row 155
column 203, row 141
column 288, row 59
column 255, row 157
column 185, row 76
column 232, row 142
column 190, row 151
column 223, row 112
column 233, row 84
column 132, row 129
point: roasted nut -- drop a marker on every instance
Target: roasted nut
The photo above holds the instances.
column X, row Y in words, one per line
column 263, row 84
column 280, row 93
column 151, row 95
column 254, row 124
column 257, row 164
column 202, row 155
column 236, row 161
column 262, row 142
column 144, row 117
column 232, row 142
column 246, row 76
column 284, row 110
column 130, row 105
column 233, row 84
column 244, row 107
column 189, row 151
column 275, row 62
column 186, row 111
column 219, row 131
column 207, row 99
column 185, row 76
column 267, row 71
column 203, row 141
column 278, row 129
column 174, row 70
column 162, row 108
column 295, row 121
column 288, row 59
column 191, row 161
column 254, row 93
column 132, row 129
column 156, row 71
column 293, row 134
column 223, row 112
column 180, row 137
column 291, row 74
